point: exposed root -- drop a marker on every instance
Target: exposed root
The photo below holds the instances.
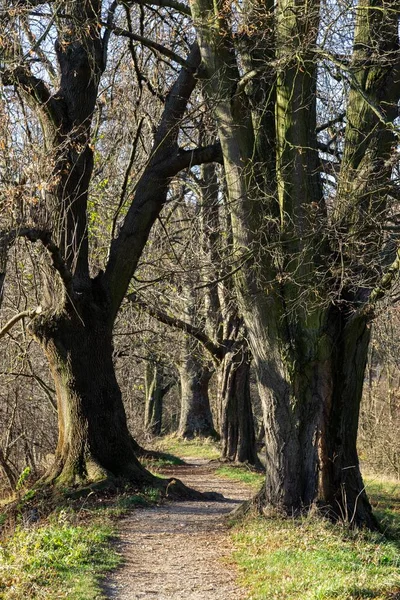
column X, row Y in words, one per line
column 56, row 490
column 176, row 490
column 257, row 506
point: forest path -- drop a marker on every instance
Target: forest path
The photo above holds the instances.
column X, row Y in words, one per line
column 180, row 550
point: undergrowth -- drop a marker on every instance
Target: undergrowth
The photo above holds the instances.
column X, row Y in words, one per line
column 67, row 553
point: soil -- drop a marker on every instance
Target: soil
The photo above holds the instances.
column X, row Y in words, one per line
column 180, row 550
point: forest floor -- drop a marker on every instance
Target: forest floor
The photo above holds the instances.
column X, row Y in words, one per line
column 133, row 545
column 181, row 550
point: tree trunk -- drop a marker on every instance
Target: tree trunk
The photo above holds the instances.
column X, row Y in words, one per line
column 8, row 472
column 311, row 386
column 237, row 423
column 196, row 418
column 155, row 389
column 93, row 438
column 341, row 485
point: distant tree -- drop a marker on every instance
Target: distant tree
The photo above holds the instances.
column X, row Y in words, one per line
column 206, row 310
column 157, row 385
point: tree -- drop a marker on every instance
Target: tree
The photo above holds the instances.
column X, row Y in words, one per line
column 157, row 385
column 79, row 307
column 206, row 310
column 309, row 212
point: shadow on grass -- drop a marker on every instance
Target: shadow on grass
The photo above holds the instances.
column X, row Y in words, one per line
column 385, row 499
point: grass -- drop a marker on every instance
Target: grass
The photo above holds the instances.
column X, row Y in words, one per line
column 57, row 560
column 196, row 448
column 67, row 554
column 312, row 559
column 163, row 462
column 384, row 495
column 242, row 474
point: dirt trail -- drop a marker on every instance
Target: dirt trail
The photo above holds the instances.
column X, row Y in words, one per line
column 179, row 551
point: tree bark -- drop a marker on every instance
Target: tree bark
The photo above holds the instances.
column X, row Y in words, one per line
column 8, row 472
column 155, row 389
column 94, row 442
column 196, row 418
column 311, row 387
column 341, row 486
column 237, row 424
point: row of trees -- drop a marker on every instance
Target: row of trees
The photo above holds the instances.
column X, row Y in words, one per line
column 297, row 103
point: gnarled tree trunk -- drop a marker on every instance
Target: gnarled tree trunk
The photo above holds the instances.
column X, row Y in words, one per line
column 77, row 310
column 311, row 388
column 196, row 418
column 93, row 442
column 341, row 486
column 237, row 423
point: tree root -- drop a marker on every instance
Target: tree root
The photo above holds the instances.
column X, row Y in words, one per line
column 176, row 490
column 49, row 494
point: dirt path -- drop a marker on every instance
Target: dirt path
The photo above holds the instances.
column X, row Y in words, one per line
column 180, row 551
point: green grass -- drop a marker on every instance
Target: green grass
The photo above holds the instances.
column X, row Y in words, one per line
column 384, row 495
column 312, row 559
column 67, row 554
column 168, row 460
column 196, row 448
column 242, row 474
column 56, row 560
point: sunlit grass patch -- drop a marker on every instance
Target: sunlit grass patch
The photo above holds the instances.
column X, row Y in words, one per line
column 384, row 495
column 243, row 474
column 67, row 554
column 196, row 448
column 312, row 559
column 56, row 560
column 166, row 461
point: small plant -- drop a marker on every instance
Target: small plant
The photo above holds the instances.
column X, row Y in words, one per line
column 153, row 494
column 23, row 478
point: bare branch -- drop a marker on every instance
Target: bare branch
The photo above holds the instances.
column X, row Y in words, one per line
column 387, row 280
column 18, row 317
column 214, row 349
column 35, row 235
column 148, row 43
column 37, row 91
column 174, row 4
column 126, row 177
column 2, row 278
column 43, row 236
column 152, row 188
column 189, row 158
column 338, row 119
column 107, row 33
